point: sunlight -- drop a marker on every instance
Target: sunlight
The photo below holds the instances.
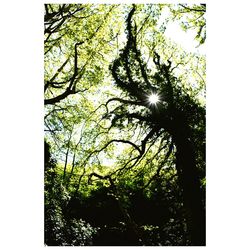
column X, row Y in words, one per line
column 153, row 98
column 184, row 38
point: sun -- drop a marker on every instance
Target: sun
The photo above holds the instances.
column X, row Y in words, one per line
column 153, row 98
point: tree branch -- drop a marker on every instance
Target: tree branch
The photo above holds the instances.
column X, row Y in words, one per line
column 140, row 103
column 59, row 97
column 122, row 141
column 192, row 9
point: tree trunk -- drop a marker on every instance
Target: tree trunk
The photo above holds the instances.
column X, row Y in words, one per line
column 189, row 181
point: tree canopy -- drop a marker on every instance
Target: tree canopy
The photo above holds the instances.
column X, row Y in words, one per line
column 124, row 126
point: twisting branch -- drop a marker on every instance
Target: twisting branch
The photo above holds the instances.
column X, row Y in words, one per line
column 140, row 103
column 130, row 85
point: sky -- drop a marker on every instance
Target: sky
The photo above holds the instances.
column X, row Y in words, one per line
column 185, row 39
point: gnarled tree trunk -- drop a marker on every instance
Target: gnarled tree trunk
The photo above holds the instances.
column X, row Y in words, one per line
column 189, row 181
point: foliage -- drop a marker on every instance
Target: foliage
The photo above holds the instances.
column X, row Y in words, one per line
column 119, row 170
column 191, row 17
column 59, row 229
column 60, row 232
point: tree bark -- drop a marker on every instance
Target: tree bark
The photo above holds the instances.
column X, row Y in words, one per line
column 189, row 181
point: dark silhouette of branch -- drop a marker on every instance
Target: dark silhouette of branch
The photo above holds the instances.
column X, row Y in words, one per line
column 140, row 103
column 122, row 141
column 59, row 97
column 194, row 9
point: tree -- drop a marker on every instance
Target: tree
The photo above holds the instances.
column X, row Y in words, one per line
column 110, row 135
column 176, row 115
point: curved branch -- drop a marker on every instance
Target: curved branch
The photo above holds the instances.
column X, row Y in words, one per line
column 194, row 9
column 107, row 177
column 140, row 103
column 59, row 97
column 122, row 141
column 148, row 136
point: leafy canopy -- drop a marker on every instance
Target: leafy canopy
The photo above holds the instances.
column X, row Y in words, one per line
column 101, row 64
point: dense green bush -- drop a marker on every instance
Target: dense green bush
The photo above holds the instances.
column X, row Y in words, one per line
column 62, row 232
column 60, row 229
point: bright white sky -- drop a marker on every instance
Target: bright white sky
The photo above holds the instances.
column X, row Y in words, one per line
column 185, row 39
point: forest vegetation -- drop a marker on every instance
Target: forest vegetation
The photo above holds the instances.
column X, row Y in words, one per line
column 124, row 117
